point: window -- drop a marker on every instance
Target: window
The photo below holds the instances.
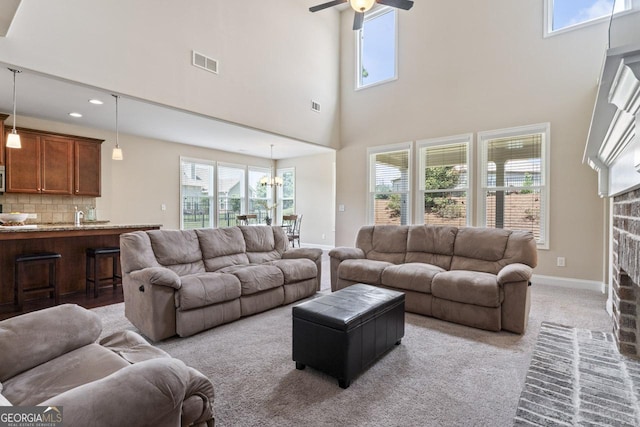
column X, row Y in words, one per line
column 231, row 194
column 260, row 196
column 444, row 181
column 514, row 179
column 377, row 47
column 287, row 193
column 389, row 190
column 196, row 193
column 570, row 14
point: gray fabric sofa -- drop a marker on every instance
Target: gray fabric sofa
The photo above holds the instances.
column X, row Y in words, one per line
column 50, row 357
column 185, row 281
column 474, row 276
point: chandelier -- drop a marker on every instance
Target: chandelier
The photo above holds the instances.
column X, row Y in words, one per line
column 271, row 180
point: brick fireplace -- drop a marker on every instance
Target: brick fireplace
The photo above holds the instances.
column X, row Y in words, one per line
column 625, row 280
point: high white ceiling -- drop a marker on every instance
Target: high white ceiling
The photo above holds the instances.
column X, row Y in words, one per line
column 45, row 97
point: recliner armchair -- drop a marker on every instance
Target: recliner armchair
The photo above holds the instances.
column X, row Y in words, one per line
column 50, row 358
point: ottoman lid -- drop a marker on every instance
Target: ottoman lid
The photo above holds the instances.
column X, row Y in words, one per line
column 348, row 307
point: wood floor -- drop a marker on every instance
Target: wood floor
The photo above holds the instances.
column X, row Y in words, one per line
column 108, row 295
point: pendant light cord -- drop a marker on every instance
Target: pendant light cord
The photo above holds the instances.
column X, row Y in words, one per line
column 14, row 71
column 117, row 139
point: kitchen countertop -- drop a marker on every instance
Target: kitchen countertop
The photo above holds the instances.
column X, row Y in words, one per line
column 70, row 230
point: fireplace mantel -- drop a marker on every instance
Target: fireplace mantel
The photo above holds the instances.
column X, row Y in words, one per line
column 613, row 145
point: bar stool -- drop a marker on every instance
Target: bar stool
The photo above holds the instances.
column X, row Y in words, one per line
column 27, row 260
column 93, row 256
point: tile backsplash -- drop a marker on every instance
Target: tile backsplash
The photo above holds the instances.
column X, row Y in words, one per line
column 48, row 208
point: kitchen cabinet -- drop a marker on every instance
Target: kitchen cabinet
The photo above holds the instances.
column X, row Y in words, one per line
column 87, row 160
column 50, row 163
column 3, row 137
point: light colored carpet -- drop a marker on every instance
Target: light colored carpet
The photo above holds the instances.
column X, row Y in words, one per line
column 442, row 374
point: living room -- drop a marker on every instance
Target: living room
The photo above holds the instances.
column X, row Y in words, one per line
column 462, row 69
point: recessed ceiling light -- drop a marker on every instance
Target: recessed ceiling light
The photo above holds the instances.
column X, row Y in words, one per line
column 75, row 114
column 96, row 101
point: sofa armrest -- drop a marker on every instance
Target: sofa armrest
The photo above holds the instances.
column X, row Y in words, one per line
column 343, row 253
column 514, row 273
column 31, row 339
column 157, row 276
column 149, row 393
column 338, row 255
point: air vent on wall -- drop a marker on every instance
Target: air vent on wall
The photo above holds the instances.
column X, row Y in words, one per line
column 204, row 62
column 315, row 106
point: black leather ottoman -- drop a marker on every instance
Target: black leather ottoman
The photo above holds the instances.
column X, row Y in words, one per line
column 343, row 333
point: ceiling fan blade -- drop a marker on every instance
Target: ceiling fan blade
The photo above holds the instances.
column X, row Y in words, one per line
column 326, row 5
column 400, row 4
column 358, row 19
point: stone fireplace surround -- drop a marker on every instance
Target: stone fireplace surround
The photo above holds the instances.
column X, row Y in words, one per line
column 625, row 280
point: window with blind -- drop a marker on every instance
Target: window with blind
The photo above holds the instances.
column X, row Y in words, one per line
column 389, row 185
column 444, row 180
column 196, row 193
column 287, row 193
column 514, row 179
column 231, row 193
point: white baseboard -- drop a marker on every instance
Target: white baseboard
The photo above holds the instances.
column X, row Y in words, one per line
column 311, row 245
column 568, row 282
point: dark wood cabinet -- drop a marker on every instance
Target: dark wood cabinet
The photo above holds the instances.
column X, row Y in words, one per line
column 3, row 137
column 50, row 163
column 87, row 161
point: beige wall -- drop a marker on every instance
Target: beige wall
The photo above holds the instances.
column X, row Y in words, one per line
column 274, row 56
column 485, row 68
column 315, row 197
column 133, row 190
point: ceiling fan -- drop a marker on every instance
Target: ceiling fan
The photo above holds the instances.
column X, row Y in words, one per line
column 361, row 6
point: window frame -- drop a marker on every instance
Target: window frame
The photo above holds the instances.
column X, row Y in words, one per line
column 213, row 197
column 372, row 14
column 244, row 196
column 371, row 152
column 280, row 193
column 548, row 18
column 545, row 165
column 467, row 139
column 269, row 199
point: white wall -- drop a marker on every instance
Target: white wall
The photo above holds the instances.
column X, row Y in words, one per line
column 275, row 56
column 476, row 66
column 315, row 197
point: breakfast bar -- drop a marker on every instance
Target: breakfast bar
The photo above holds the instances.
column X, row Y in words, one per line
column 68, row 240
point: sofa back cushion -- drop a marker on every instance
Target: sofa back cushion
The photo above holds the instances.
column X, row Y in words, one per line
column 522, row 248
column 383, row 242
column 222, row 247
column 136, row 252
column 431, row 245
column 178, row 250
column 264, row 243
column 483, row 249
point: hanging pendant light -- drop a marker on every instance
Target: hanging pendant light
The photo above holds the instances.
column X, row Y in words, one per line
column 116, row 154
column 271, row 181
column 13, row 139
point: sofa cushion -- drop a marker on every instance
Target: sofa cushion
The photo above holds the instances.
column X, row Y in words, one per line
column 222, row 247
column 479, row 249
column 383, row 242
column 411, row 276
column 264, row 243
column 199, row 290
column 81, row 366
column 295, row 270
column 256, row 278
column 363, row 270
column 178, row 250
column 431, row 245
column 469, row 287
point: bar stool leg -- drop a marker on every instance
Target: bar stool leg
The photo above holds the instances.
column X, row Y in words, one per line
column 53, row 281
column 19, row 297
column 95, row 276
column 114, row 276
column 87, row 283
